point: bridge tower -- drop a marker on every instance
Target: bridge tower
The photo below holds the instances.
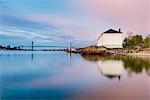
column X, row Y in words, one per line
column 32, row 46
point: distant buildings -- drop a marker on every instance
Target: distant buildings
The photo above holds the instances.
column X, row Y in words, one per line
column 111, row 39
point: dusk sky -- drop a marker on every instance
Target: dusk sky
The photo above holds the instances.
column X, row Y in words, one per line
column 58, row 22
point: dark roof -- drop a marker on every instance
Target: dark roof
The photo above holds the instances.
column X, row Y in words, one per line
column 112, row 31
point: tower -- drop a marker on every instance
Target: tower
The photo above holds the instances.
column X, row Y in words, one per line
column 32, row 45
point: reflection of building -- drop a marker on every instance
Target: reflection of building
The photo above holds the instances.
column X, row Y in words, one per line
column 111, row 68
column 111, row 39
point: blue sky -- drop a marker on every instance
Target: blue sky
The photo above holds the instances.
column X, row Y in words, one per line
column 58, row 22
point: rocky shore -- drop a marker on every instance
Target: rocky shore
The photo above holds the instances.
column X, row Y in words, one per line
column 89, row 50
column 106, row 52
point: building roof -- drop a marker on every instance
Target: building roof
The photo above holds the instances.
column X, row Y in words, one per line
column 112, row 31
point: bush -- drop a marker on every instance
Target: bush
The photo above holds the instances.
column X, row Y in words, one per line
column 147, row 42
column 133, row 41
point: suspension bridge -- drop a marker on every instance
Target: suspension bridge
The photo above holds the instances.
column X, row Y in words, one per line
column 33, row 47
column 43, row 48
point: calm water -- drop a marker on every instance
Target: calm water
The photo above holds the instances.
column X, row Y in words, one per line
column 58, row 75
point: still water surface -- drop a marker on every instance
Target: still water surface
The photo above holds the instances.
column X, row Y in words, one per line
column 58, row 75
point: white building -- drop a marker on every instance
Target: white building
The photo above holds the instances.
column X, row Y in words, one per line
column 111, row 39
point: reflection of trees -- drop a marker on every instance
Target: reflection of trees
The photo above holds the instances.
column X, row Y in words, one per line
column 134, row 64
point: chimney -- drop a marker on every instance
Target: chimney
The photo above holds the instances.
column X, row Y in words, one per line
column 119, row 29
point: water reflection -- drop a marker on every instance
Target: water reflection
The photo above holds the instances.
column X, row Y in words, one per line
column 31, row 56
column 110, row 68
column 112, row 65
column 58, row 75
column 135, row 64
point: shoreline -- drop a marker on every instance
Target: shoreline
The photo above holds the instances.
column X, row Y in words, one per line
column 138, row 54
column 102, row 52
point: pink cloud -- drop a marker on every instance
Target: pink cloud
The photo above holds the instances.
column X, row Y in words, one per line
column 129, row 14
column 74, row 26
column 92, row 17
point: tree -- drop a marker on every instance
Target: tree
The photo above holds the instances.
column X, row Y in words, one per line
column 147, row 42
column 137, row 40
column 133, row 41
column 126, row 43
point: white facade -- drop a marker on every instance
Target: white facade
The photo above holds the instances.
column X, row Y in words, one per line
column 110, row 40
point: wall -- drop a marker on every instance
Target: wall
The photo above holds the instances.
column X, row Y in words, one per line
column 111, row 40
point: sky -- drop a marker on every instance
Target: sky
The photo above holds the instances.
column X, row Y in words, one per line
column 59, row 22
